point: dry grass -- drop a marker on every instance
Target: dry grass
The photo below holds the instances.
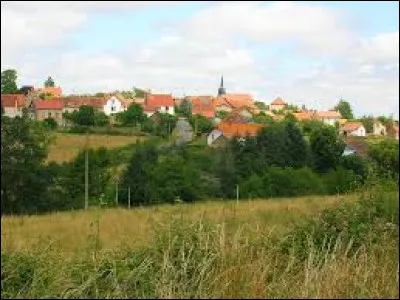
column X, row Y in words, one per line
column 66, row 146
column 202, row 250
column 68, row 231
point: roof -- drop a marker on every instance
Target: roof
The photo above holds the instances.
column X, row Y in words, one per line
column 278, row 101
column 236, row 118
column 357, row 144
column 154, row 101
column 203, row 106
column 52, row 104
column 235, row 101
column 328, row 114
column 234, row 129
column 76, row 102
column 55, row 91
column 303, row 115
column 12, row 100
column 351, row 126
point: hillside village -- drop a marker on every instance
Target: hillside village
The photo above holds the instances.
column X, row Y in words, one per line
column 231, row 114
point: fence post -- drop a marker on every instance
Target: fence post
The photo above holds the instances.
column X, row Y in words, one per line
column 129, row 197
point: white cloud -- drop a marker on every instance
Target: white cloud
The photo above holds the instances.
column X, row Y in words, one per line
column 191, row 59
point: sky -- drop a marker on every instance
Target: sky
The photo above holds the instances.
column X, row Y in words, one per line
column 310, row 53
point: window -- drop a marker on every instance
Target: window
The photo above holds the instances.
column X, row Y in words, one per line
column 166, row 108
column 112, row 108
column 49, row 114
column 57, row 114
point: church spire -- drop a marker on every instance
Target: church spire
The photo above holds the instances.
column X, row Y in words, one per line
column 221, row 90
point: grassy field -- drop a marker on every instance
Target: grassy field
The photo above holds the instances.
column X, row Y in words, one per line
column 66, row 146
column 210, row 249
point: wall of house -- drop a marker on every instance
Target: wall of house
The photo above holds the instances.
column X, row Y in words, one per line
column 277, row 106
column 330, row 121
column 213, row 135
column 113, row 106
column 55, row 114
column 379, row 129
column 167, row 110
column 13, row 112
column 223, row 108
column 359, row 132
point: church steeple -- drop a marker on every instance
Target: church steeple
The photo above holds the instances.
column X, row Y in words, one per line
column 221, row 90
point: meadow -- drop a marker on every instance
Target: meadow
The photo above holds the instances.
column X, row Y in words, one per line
column 309, row 247
column 66, row 146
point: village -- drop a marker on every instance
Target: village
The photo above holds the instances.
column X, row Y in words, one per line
column 231, row 114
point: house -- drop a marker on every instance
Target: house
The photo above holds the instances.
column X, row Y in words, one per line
column 203, row 106
column 159, row 103
column 116, row 104
column 353, row 129
column 73, row 103
column 227, row 130
column 304, row 115
column 12, row 104
column 378, row 128
column 278, row 104
column 46, row 109
column 55, row 92
column 329, row 117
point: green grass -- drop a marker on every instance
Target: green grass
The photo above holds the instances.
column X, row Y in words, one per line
column 311, row 247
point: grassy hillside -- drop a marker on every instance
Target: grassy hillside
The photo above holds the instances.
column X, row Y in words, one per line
column 212, row 249
column 66, row 146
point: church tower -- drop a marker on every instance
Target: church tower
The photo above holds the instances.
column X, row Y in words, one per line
column 221, row 90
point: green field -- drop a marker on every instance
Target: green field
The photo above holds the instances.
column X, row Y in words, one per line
column 66, row 146
column 209, row 249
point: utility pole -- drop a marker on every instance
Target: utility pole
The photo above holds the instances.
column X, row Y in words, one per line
column 237, row 194
column 87, row 171
column 129, row 197
column 116, row 194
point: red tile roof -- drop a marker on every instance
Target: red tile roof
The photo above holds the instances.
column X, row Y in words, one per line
column 154, row 101
column 53, row 104
column 235, row 101
column 76, row 102
column 203, row 106
column 278, row 101
column 304, row 115
column 328, row 114
column 351, row 126
column 233, row 129
column 55, row 91
column 12, row 100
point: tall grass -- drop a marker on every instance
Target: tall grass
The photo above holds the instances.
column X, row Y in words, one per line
column 224, row 251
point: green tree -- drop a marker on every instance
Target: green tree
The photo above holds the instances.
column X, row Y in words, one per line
column 132, row 116
column 326, row 148
column 222, row 114
column 9, row 82
column 85, row 116
column 185, row 108
column 261, row 105
column 297, row 150
column 200, row 124
column 24, row 146
column 49, row 82
column 25, row 89
column 345, row 109
column 262, row 118
column 101, row 119
column 50, row 123
column 386, row 157
column 368, row 122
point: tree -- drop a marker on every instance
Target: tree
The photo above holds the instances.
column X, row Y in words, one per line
column 345, row 109
column 261, row 105
column 9, row 82
column 132, row 116
column 326, row 148
column 262, row 118
column 296, row 146
column 25, row 89
column 49, row 82
column 24, row 146
column 186, row 108
column 51, row 123
column 85, row 116
column 222, row 114
column 368, row 122
column 200, row 124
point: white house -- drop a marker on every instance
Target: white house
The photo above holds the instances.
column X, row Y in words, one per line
column 159, row 103
column 114, row 105
column 213, row 136
column 353, row 129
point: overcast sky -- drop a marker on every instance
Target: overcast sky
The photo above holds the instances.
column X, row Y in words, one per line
column 308, row 53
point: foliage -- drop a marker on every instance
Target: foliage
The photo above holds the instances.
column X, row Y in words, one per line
column 49, row 82
column 262, row 118
column 326, row 148
column 26, row 89
column 386, row 156
column 132, row 116
column 340, row 181
column 200, row 124
column 9, row 81
column 261, row 105
column 45, row 96
column 368, row 122
column 345, row 109
column 222, row 114
column 24, row 146
column 51, row 123
column 86, row 116
column 185, row 108
column 296, row 146
column 309, row 126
